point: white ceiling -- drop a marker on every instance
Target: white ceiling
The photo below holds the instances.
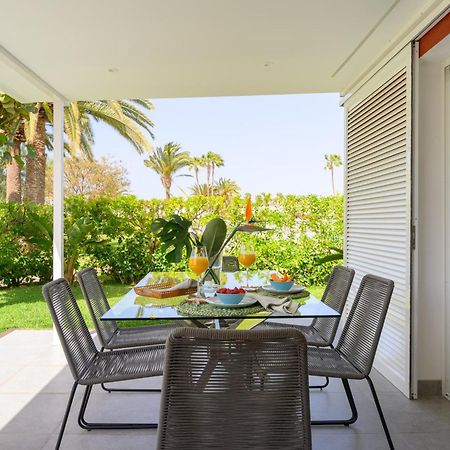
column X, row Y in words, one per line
column 86, row 49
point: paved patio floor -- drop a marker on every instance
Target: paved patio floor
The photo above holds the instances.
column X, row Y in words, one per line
column 35, row 382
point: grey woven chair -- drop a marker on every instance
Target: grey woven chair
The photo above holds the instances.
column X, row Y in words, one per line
column 322, row 330
column 110, row 335
column 89, row 366
column 228, row 389
column 354, row 354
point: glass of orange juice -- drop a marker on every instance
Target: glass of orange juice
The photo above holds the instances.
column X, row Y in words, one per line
column 247, row 257
column 198, row 263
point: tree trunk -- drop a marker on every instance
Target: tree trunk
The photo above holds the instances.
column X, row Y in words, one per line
column 35, row 168
column 167, row 183
column 196, row 175
column 332, row 181
column 13, row 177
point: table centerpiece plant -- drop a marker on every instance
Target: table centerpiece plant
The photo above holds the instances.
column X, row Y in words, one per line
column 176, row 237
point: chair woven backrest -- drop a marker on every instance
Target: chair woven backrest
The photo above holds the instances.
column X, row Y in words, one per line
column 335, row 296
column 229, row 389
column 97, row 303
column 72, row 330
column 361, row 333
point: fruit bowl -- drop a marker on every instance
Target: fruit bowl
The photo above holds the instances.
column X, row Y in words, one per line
column 230, row 296
column 282, row 285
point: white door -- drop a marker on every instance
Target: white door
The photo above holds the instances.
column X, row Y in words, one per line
column 378, row 202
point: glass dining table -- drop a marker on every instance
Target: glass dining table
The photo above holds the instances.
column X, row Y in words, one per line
column 134, row 307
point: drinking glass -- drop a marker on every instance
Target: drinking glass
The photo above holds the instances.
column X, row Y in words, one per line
column 198, row 263
column 247, row 257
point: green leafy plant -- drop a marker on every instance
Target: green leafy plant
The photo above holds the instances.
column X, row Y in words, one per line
column 176, row 236
column 214, row 236
column 338, row 255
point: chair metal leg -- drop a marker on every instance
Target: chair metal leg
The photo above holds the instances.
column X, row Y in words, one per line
column 327, row 380
column 380, row 413
column 352, row 405
column 321, row 386
column 106, row 426
column 66, row 415
column 108, row 389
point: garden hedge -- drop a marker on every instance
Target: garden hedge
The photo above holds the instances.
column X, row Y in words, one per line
column 120, row 244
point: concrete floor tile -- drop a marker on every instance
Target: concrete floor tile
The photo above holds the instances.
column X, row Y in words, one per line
column 22, row 441
column 36, row 385
column 112, row 440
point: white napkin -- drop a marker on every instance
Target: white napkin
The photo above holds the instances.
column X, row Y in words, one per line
column 185, row 284
column 283, row 305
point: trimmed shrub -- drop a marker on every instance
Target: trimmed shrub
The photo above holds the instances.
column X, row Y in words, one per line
column 121, row 245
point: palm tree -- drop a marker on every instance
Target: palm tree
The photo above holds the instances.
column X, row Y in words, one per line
column 212, row 160
column 12, row 143
column 196, row 163
column 200, row 189
column 127, row 117
column 166, row 161
column 14, row 169
column 226, row 188
column 331, row 162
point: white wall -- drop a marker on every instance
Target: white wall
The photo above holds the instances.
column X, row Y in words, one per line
column 431, row 214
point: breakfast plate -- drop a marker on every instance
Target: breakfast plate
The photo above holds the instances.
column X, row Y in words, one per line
column 296, row 289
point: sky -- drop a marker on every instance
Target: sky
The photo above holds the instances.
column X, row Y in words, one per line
column 272, row 144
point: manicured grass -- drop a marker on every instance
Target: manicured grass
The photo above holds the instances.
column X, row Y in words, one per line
column 24, row 307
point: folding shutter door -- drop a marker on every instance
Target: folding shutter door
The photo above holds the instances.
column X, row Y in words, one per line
column 378, row 202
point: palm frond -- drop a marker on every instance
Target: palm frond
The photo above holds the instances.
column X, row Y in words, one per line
column 145, row 103
column 123, row 125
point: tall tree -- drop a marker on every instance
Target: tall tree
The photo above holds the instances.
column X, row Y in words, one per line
column 226, row 188
column 212, row 160
column 166, row 162
column 331, row 162
column 196, row 163
column 35, row 166
column 14, row 169
column 90, row 177
column 127, row 117
column 12, row 147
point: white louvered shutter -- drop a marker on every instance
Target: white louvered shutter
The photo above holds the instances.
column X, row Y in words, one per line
column 378, row 202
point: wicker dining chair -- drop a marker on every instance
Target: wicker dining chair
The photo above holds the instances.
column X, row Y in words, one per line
column 228, row 389
column 89, row 366
column 110, row 335
column 322, row 330
column 354, row 354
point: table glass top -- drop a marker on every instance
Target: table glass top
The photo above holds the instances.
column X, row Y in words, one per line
column 134, row 307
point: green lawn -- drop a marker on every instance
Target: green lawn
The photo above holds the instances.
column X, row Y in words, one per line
column 24, row 307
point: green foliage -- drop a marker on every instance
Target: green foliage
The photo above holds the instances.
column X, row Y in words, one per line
column 122, row 245
column 23, row 257
column 12, row 115
column 175, row 236
column 337, row 256
column 214, row 236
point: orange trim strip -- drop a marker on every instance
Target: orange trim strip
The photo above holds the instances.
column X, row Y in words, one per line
column 434, row 35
